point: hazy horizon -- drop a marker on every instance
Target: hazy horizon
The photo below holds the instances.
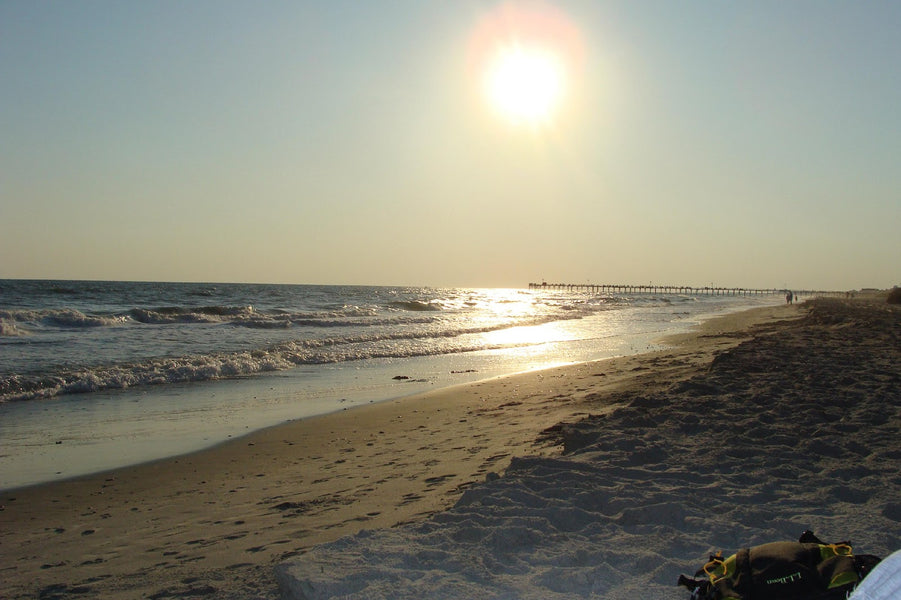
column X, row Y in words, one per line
column 526, row 285
column 336, row 143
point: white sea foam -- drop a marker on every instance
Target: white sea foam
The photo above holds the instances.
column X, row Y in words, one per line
column 8, row 328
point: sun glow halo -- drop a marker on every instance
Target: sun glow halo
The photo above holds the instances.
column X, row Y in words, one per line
column 525, row 84
column 524, row 56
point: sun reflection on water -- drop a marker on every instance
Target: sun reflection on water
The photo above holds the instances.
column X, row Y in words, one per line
column 527, row 336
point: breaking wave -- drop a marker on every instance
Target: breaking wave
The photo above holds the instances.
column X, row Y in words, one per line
column 8, row 329
column 416, row 305
column 61, row 318
column 245, row 316
column 278, row 357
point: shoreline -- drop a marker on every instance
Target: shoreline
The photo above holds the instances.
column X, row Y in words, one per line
column 112, row 430
column 221, row 518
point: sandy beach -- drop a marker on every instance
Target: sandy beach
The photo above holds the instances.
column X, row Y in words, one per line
column 601, row 479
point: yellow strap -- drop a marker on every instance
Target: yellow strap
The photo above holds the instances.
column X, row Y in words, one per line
column 718, row 568
column 830, row 550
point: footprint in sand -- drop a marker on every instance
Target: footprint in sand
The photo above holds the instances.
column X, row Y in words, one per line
column 434, row 481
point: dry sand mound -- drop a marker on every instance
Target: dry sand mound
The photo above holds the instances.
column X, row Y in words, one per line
column 795, row 429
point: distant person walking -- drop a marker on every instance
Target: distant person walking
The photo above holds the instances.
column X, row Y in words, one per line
column 789, row 298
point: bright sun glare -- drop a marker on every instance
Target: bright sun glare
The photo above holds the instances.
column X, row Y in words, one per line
column 525, row 84
column 524, row 56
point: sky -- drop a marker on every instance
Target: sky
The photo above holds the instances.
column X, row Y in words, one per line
column 745, row 144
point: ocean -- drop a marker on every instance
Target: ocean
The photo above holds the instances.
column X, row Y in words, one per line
column 97, row 375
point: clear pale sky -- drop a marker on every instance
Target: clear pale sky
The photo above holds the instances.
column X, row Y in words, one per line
column 728, row 143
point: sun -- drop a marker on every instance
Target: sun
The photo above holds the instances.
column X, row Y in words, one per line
column 526, row 58
column 525, row 84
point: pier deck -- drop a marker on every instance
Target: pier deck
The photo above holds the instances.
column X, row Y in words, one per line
column 685, row 290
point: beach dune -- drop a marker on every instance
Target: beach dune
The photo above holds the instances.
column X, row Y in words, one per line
column 603, row 479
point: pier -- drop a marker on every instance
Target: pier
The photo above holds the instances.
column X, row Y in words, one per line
column 684, row 290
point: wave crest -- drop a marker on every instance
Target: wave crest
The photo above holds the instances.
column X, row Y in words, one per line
column 67, row 318
column 9, row 329
column 416, row 305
